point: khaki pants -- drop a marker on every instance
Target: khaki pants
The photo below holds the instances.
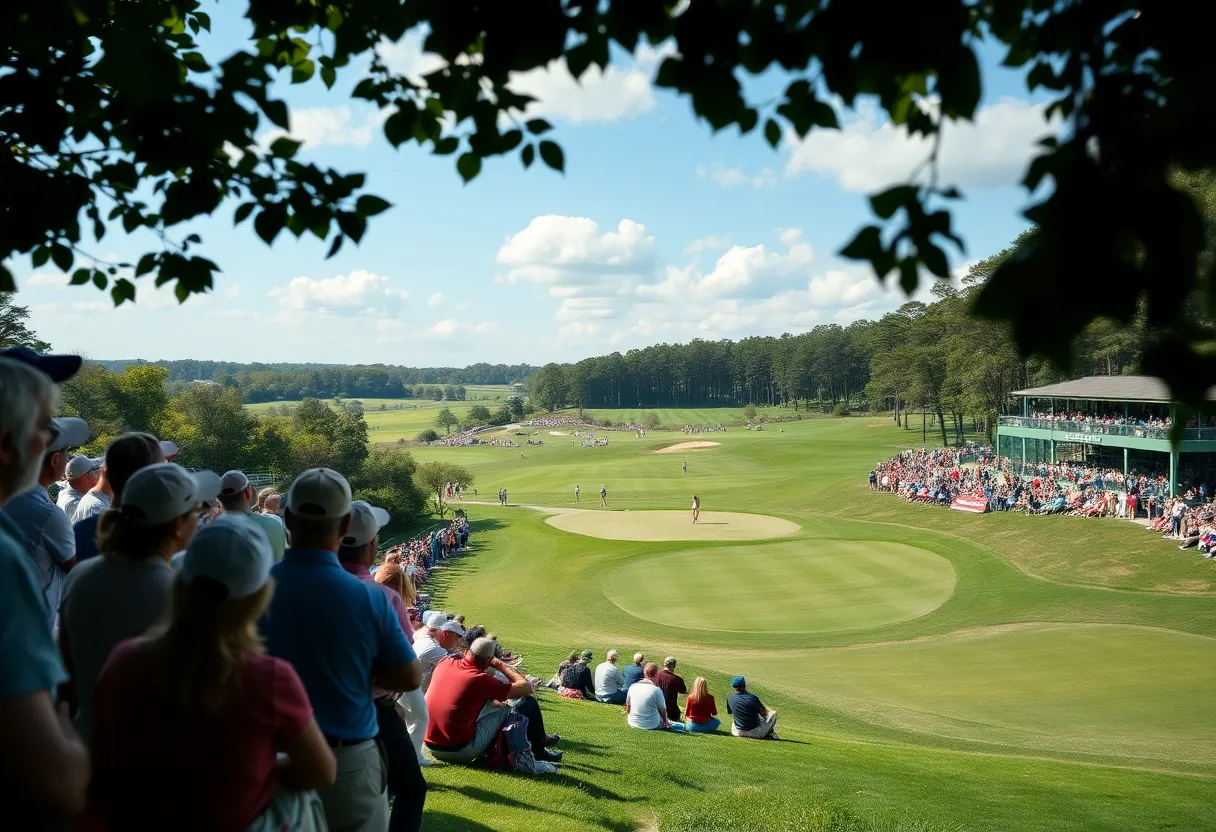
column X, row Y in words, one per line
column 766, row 727
column 358, row 799
column 489, row 723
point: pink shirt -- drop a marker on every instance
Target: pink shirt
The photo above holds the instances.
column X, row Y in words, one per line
column 394, row 599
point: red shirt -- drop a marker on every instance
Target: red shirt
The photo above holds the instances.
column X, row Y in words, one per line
column 671, row 685
column 458, row 692
column 156, row 768
column 700, row 710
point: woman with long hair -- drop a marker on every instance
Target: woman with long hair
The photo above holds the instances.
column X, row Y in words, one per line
column 700, row 709
column 393, row 574
column 121, row 594
column 188, row 721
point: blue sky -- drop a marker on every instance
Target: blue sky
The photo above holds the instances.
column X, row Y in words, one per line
column 659, row 231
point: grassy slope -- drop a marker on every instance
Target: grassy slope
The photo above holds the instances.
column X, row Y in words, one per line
column 1003, row 708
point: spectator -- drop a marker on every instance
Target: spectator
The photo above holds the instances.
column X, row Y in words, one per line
column 633, row 673
column 646, row 704
column 576, row 681
column 700, row 708
column 119, row 596
column 124, row 456
column 752, row 719
column 101, row 496
column 236, row 496
column 44, row 765
column 672, row 685
column 462, row 727
column 187, row 721
column 562, row 667
column 82, row 474
column 263, row 496
column 337, row 653
column 48, row 533
column 405, row 783
column 609, row 681
column 436, row 642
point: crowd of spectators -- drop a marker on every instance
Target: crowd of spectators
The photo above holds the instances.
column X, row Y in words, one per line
column 1145, row 420
column 704, row 429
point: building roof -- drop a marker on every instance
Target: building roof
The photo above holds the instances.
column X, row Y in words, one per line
column 1108, row 388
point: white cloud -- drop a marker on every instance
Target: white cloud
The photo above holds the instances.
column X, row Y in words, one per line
column 734, row 177
column 868, row 153
column 405, row 57
column 450, row 328
column 436, row 300
column 742, row 272
column 330, row 127
column 711, row 243
column 359, row 293
column 233, row 292
column 842, row 287
column 53, row 279
column 789, row 236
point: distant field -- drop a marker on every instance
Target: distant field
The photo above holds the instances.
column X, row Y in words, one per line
column 678, row 417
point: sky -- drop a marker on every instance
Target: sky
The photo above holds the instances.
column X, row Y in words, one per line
column 659, row 231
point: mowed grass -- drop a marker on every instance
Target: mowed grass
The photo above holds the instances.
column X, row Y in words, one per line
column 699, row 416
column 933, row 670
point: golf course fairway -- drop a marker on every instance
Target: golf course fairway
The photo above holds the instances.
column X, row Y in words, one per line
column 933, row 671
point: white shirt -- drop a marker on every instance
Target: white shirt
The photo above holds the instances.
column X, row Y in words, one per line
column 69, row 498
column 94, row 502
column 608, row 679
column 429, row 654
column 646, row 705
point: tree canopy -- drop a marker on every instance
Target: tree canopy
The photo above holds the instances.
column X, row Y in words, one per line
column 111, row 116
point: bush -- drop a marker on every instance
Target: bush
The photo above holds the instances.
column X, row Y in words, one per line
column 427, row 435
column 607, row 423
column 841, row 409
column 650, row 420
column 749, row 412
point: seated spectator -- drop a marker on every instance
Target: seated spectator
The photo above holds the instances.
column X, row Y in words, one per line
column 236, row 496
column 610, row 682
column 339, row 634
column 633, row 673
column 576, row 681
column 124, row 456
column 646, row 704
column 556, row 681
column 752, row 719
column 44, row 765
column 700, row 709
column 462, row 727
column 672, row 684
column 81, row 474
column 122, row 594
column 187, row 722
column 436, row 641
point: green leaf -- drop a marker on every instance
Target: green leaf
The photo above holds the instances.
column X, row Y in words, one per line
column 276, row 111
column 146, row 264
column 399, row 127
column 328, row 76
column 446, row 145
column 204, row 20
column 909, row 279
column 551, row 154
column 7, row 284
column 195, row 62
column 81, row 277
column 537, row 126
column 468, row 166
column 39, row 256
column 62, row 255
column 352, row 225
column 122, row 291
column 772, row 132
column 369, row 205
column 99, row 279
column 527, row 155
column 284, row 147
column 886, row 203
column 302, row 72
column 337, row 244
column 269, row 222
column 242, row 212
column 935, row 261
column 865, row 246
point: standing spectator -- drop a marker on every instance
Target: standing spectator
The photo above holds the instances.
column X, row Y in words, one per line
column 44, row 765
column 337, row 653
column 438, row 639
column 124, row 456
column 82, row 474
column 672, row 685
column 634, row 672
column 405, row 783
column 701, row 709
column 122, row 594
column 646, row 705
column 187, row 721
column 236, row 496
column 610, row 685
column 752, row 719
column 102, row 496
column 576, row 680
column 47, row 530
column 264, row 496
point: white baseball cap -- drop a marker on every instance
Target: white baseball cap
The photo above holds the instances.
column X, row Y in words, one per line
column 319, row 493
column 158, row 493
column 80, row 465
column 231, row 551
column 434, row 619
column 452, row 626
column 69, row 432
column 233, row 482
column 366, row 521
column 169, row 449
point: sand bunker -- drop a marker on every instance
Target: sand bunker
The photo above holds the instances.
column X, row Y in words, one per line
column 558, row 433
column 687, row 446
column 672, row 525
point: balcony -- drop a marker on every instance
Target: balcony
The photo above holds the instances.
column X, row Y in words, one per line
column 1094, row 428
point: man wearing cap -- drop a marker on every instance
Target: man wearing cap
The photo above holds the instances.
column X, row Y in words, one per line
column 463, row 702
column 236, row 496
column 576, row 679
column 609, row 681
column 358, row 550
column 672, row 685
column 751, row 718
column 82, row 474
column 44, row 764
column 340, row 635
column 124, row 456
column 48, row 533
column 436, row 641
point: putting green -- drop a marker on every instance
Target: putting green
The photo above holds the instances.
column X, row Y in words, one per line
column 671, row 525
column 797, row 586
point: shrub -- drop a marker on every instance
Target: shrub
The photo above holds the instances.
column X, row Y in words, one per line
column 650, row 420
column 427, row 435
column 749, row 412
column 841, row 409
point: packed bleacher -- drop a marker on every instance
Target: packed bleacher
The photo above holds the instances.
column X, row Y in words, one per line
column 1106, row 420
column 180, row 652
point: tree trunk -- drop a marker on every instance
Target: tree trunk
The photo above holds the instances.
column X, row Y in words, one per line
column 941, row 420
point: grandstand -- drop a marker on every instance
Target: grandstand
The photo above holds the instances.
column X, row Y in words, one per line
column 1115, row 420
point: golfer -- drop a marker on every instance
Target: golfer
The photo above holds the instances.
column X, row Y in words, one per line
column 603, row 497
column 696, row 508
column 576, row 493
column 684, row 467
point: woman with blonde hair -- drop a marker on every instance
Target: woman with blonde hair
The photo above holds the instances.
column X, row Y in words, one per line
column 700, row 709
column 394, row 574
column 189, row 721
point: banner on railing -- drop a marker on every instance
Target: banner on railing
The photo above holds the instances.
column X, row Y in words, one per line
column 975, row 505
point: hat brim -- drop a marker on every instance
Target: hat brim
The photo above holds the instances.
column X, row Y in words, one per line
column 169, row 449
column 206, row 486
column 70, row 432
column 59, row 368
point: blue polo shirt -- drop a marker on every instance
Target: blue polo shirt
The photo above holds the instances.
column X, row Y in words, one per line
column 29, row 660
column 335, row 630
column 48, row 539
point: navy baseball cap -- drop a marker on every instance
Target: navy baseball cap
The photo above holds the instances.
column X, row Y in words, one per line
column 60, row 368
column 738, row 682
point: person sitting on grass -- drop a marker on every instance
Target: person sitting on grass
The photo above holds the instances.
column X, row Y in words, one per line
column 576, row 681
column 752, row 719
column 556, row 681
column 462, row 727
column 610, row 685
column 700, row 709
column 646, row 706
column 672, row 685
column 436, row 641
column 633, row 673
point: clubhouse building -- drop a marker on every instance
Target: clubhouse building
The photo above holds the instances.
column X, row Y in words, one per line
column 1113, row 421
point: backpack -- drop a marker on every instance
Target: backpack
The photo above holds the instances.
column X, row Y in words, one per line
column 511, row 750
